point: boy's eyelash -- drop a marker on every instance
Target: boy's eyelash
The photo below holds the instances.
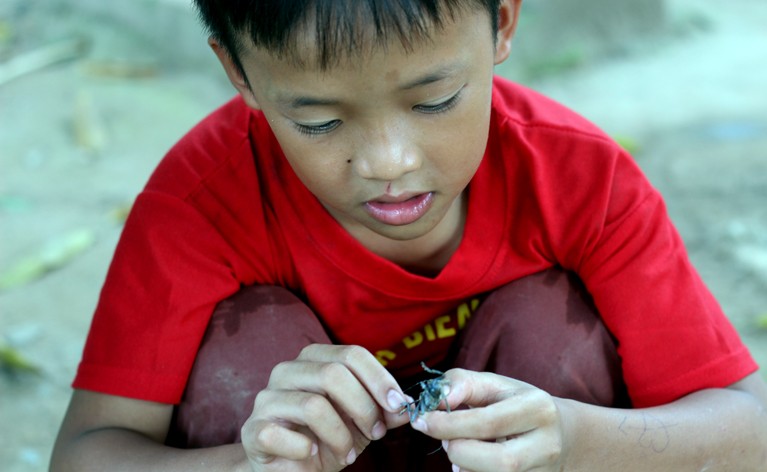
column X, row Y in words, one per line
column 314, row 130
column 324, row 128
column 440, row 107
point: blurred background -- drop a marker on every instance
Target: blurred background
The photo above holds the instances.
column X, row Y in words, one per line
column 93, row 93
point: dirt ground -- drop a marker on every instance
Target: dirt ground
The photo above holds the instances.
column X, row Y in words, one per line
column 78, row 140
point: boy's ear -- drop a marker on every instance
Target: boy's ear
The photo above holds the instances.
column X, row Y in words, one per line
column 234, row 74
column 508, row 15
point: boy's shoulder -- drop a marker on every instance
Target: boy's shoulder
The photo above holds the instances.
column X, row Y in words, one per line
column 520, row 106
column 222, row 138
column 541, row 142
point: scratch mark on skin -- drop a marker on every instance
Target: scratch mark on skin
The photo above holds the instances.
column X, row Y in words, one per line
column 650, row 432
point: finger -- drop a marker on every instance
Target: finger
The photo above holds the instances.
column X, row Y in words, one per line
column 480, row 456
column 336, row 381
column 517, row 409
column 373, row 376
column 395, row 420
column 274, row 440
column 500, row 420
column 471, row 388
column 306, row 409
column 520, row 454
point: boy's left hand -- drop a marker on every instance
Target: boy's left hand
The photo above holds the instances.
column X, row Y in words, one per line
column 510, row 425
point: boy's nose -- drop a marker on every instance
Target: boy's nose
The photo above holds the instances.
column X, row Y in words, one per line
column 387, row 155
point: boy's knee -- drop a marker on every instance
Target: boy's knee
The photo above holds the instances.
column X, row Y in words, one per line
column 248, row 334
column 545, row 330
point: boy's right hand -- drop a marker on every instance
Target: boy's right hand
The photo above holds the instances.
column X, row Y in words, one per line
column 320, row 411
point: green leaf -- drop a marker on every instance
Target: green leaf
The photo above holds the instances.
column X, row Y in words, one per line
column 13, row 362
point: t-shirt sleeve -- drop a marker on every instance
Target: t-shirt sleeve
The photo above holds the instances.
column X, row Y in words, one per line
column 672, row 335
column 170, row 268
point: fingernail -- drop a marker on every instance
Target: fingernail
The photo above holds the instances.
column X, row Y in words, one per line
column 420, row 425
column 379, row 431
column 315, row 449
column 351, row 457
column 444, row 444
column 456, row 468
column 395, row 400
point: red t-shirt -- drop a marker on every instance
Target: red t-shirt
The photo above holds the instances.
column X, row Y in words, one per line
column 224, row 209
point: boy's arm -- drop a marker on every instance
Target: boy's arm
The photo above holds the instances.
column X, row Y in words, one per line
column 105, row 432
column 714, row 429
column 317, row 413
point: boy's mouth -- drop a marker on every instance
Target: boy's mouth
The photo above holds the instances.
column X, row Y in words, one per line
column 400, row 211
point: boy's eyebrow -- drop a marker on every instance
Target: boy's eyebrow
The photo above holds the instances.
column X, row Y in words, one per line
column 306, row 101
column 434, row 76
column 429, row 78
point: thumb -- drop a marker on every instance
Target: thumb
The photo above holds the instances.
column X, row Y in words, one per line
column 477, row 389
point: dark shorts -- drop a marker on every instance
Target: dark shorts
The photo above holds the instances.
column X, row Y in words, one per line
column 542, row 329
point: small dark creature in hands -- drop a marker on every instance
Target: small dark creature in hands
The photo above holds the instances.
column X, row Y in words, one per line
column 432, row 393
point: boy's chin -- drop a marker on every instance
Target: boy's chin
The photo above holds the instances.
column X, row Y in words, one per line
column 405, row 232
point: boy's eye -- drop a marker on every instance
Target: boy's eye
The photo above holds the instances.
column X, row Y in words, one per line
column 322, row 128
column 440, row 107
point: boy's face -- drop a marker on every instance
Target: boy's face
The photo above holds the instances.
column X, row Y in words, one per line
column 387, row 140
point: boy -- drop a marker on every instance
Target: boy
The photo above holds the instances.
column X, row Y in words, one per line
column 378, row 191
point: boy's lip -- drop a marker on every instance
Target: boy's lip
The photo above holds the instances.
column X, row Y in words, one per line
column 401, row 209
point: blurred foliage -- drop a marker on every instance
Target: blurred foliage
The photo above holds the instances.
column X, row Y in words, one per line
column 628, row 143
column 5, row 33
column 120, row 213
column 13, row 363
column 560, row 62
column 56, row 253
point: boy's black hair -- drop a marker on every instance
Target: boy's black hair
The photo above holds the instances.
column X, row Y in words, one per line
column 341, row 26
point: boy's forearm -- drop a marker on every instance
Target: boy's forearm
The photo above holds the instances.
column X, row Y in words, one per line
column 120, row 449
column 712, row 430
